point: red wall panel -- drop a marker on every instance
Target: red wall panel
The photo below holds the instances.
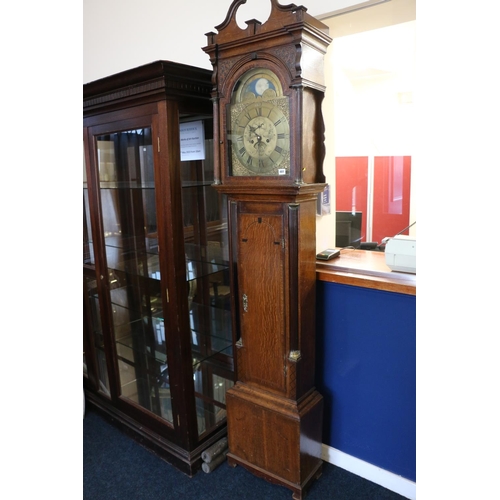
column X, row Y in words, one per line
column 351, row 181
column 391, row 196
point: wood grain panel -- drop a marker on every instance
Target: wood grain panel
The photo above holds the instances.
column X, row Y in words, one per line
column 261, row 299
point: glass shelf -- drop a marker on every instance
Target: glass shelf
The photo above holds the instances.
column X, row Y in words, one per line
column 196, row 184
column 220, row 316
column 148, row 266
column 207, row 340
column 146, row 336
column 197, row 270
column 201, row 261
column 213, row 254
column 120, row 241
column 127, row 349
column 122, row 308
column 135, row 264
column 126, row 185
column 214, row 357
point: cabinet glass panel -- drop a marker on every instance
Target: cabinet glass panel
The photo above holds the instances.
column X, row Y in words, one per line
column 127, row 190
column 207, row 269
column 88, row 247
column 88, row 259
column 97, row 336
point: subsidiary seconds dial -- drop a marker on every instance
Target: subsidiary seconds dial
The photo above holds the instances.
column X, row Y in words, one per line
column 261, row 137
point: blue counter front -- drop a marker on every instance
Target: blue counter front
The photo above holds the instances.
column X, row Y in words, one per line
column 366, row 372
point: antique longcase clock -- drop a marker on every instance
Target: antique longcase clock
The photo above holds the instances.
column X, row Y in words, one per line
column 268, row 86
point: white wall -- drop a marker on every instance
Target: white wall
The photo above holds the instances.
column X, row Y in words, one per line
column 124, row 34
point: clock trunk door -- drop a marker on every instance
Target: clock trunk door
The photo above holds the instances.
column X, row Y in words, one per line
column 261, row 275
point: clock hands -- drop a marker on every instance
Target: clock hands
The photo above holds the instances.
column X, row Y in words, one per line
column 253, row 132
column 262, row 139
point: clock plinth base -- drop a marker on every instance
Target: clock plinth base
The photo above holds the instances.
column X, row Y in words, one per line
column 276, row 438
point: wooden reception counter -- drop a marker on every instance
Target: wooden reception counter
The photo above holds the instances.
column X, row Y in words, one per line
column 367, row 269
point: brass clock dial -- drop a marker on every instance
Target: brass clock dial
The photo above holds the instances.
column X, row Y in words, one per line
column 259, row 126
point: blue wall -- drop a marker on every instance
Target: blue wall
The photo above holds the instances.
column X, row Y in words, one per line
column 365, row 370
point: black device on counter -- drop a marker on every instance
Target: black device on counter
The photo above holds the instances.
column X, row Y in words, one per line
column 328, row 254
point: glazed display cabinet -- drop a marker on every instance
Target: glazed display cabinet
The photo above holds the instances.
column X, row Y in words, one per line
column 158, row 355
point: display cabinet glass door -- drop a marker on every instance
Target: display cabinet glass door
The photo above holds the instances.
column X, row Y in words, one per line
column 129, row 221
column 207, row 270
column 94, row 358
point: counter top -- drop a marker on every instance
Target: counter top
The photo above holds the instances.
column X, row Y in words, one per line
column 366, row 269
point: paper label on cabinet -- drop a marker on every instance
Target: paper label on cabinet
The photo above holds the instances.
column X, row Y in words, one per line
column 192, row 141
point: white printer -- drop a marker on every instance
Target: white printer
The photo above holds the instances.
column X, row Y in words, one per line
column 401, row 253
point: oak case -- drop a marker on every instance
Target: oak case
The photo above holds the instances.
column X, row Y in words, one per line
column 274, row 410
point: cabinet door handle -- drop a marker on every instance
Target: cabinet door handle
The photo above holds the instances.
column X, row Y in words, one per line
column 245, row 302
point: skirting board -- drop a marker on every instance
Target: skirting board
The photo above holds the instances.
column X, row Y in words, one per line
column 393, row 482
